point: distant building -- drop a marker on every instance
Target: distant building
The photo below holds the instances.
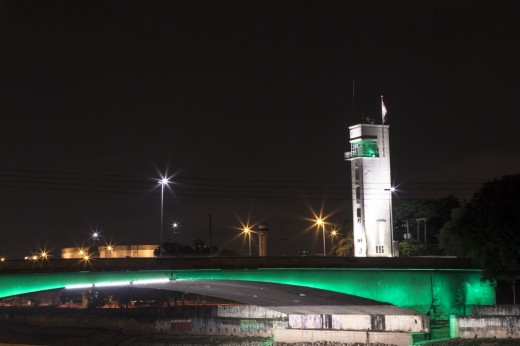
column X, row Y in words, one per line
column 122, row 251
column 75, row 252
column 109, row 251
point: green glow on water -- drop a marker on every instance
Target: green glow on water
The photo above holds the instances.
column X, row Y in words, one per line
column 439, row 293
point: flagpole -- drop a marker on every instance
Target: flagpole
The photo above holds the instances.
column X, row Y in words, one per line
column 383, row 125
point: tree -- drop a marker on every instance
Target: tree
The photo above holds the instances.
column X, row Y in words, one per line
column 200, row 246
column 179, row 249
column 175, row 248
column 410, row 247
column 437, row 211
column 487, row 228
column 345, row 245
column 227, row 253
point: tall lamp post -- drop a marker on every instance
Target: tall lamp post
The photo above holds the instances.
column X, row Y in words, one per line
column 95, row 235
column 321, row 222
column 391, row 190
column 163, row 181
column 248, row 231
column 333, row 235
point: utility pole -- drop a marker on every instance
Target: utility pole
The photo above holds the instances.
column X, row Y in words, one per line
column 407, row 234
column 210, row 236
column 425, row 221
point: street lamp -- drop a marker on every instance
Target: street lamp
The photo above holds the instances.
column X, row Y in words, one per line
column 82, row 252
column 333, row 235
column 95, row 236
column 163, row 181
column 391, row 190
column 321, row 222
column 248, row 232
column 175, row 226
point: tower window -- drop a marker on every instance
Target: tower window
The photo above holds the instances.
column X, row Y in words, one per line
column 365, row 148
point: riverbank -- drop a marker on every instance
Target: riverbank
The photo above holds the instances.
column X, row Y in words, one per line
column 474, row 342
column 12, row 332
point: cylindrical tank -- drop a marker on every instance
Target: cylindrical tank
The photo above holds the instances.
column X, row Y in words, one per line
column 262, row 239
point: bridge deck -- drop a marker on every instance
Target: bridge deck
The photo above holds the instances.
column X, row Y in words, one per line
column 187, row 263
column 287, row 299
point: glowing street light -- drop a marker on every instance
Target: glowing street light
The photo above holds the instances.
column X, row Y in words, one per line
column 95, row 235
column 164, row 181
column 82, row 253
column 333, row 234
column 321, row 223
column 248, row 231
column 175, row 226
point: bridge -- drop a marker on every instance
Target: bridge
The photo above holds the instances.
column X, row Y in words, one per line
column 438, row 287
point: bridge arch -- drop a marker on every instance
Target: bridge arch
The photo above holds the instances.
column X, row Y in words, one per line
column 438, row 292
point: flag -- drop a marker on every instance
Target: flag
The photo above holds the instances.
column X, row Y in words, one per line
column 383, row 110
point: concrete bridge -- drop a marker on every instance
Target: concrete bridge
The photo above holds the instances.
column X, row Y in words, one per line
column 383, row 300
column 437, row 287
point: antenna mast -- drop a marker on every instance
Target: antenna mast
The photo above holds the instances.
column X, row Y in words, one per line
column 353, row 99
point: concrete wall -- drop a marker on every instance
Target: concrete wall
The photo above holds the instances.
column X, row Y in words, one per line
column 206, row 325
column 388, row 323
column 467, row 327
column 407, row 323
column 294, row 337
column 248, row 311
column 495, row 310
column 491, row 321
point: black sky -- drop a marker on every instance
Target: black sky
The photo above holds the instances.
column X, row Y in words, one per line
column 247, row 104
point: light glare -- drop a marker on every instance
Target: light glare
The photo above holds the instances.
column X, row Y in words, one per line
column 164, row 181
column 119, row 283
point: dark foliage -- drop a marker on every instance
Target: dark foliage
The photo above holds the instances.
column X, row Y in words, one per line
column 487, row 228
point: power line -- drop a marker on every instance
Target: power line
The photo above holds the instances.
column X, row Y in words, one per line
column 217, row 187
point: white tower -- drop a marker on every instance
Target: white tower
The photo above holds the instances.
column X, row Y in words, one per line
column 371, row 190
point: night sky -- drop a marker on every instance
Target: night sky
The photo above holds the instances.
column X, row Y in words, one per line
column 246, row 106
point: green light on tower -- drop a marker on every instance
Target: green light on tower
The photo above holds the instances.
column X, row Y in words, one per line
column 365, row 148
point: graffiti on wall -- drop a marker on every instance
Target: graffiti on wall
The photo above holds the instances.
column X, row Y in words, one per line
column 165, row 326
column 251, row 326
column 179, row 325
column 280, row 324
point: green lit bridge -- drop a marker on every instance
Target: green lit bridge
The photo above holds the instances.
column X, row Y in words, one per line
column 438, row 287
